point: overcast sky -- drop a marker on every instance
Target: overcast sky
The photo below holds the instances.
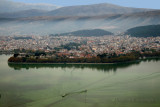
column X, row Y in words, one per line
column 128, row 3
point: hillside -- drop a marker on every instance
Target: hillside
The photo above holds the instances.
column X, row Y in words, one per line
column 40, row 24
column 144, row 31
column 93, row 10
column 45, row 25
column 85, row 33
column 82, row 10
column 9, row 6
column 25, row 13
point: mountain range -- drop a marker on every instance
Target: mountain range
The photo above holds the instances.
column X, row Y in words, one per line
column 84, row 10
column 94, row 10
column 8, row 6
column 105, row 16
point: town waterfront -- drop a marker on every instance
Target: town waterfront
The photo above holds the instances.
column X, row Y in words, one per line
column 133, row 84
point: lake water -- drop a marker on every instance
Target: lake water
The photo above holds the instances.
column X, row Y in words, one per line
column 115, row 85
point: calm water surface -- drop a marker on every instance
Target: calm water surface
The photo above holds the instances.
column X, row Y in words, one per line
column 118, row 85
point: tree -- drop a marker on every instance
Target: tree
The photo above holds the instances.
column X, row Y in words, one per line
column 15, row 55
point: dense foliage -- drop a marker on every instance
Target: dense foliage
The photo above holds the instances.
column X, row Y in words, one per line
column 99, row 59
column 144, row 31
column 94, row 32
column 68, row 46
column 17, row 38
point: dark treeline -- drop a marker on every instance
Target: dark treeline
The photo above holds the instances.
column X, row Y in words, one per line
column 101, row 58
column 68, row 46
column 100, row 67
column 145, row 31
column 84, row 33
column 17, row 38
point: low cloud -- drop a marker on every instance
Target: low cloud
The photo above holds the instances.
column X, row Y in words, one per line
column 10, row 6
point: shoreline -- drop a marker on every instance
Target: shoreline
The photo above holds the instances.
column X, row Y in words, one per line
column 77, row 63
column 74, row 63
column 61, row 63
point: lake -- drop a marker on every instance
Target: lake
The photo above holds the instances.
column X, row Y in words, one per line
column 135, row 84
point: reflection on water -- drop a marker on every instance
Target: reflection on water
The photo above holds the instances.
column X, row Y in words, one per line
column 101, row 67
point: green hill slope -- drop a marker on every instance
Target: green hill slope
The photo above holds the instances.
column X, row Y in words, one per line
column 144, row 31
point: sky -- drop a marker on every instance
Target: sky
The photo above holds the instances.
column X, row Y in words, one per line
column 127, row 3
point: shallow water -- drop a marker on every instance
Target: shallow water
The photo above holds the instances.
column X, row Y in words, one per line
column 134, row 84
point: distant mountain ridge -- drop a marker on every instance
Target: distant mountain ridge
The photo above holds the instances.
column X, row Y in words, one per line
column 44, row 25
column 24, row 13
column 85, row 33
column 83, row 10
column 9, row 6
column 113, row 18
column 93, row 10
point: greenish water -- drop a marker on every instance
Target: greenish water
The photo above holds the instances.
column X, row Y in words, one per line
column 135, row 84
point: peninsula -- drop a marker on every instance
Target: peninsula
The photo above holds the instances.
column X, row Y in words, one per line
column 43, row 57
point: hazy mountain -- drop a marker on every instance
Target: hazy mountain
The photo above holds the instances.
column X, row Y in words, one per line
column 60, row 24
column 144, row 31
column 85, row 33
column 84, row 10
column 25, row 13
column 92, row 10
column 42, row 24
column 11, row 6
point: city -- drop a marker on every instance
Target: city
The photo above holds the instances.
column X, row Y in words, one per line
column 73, row 46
